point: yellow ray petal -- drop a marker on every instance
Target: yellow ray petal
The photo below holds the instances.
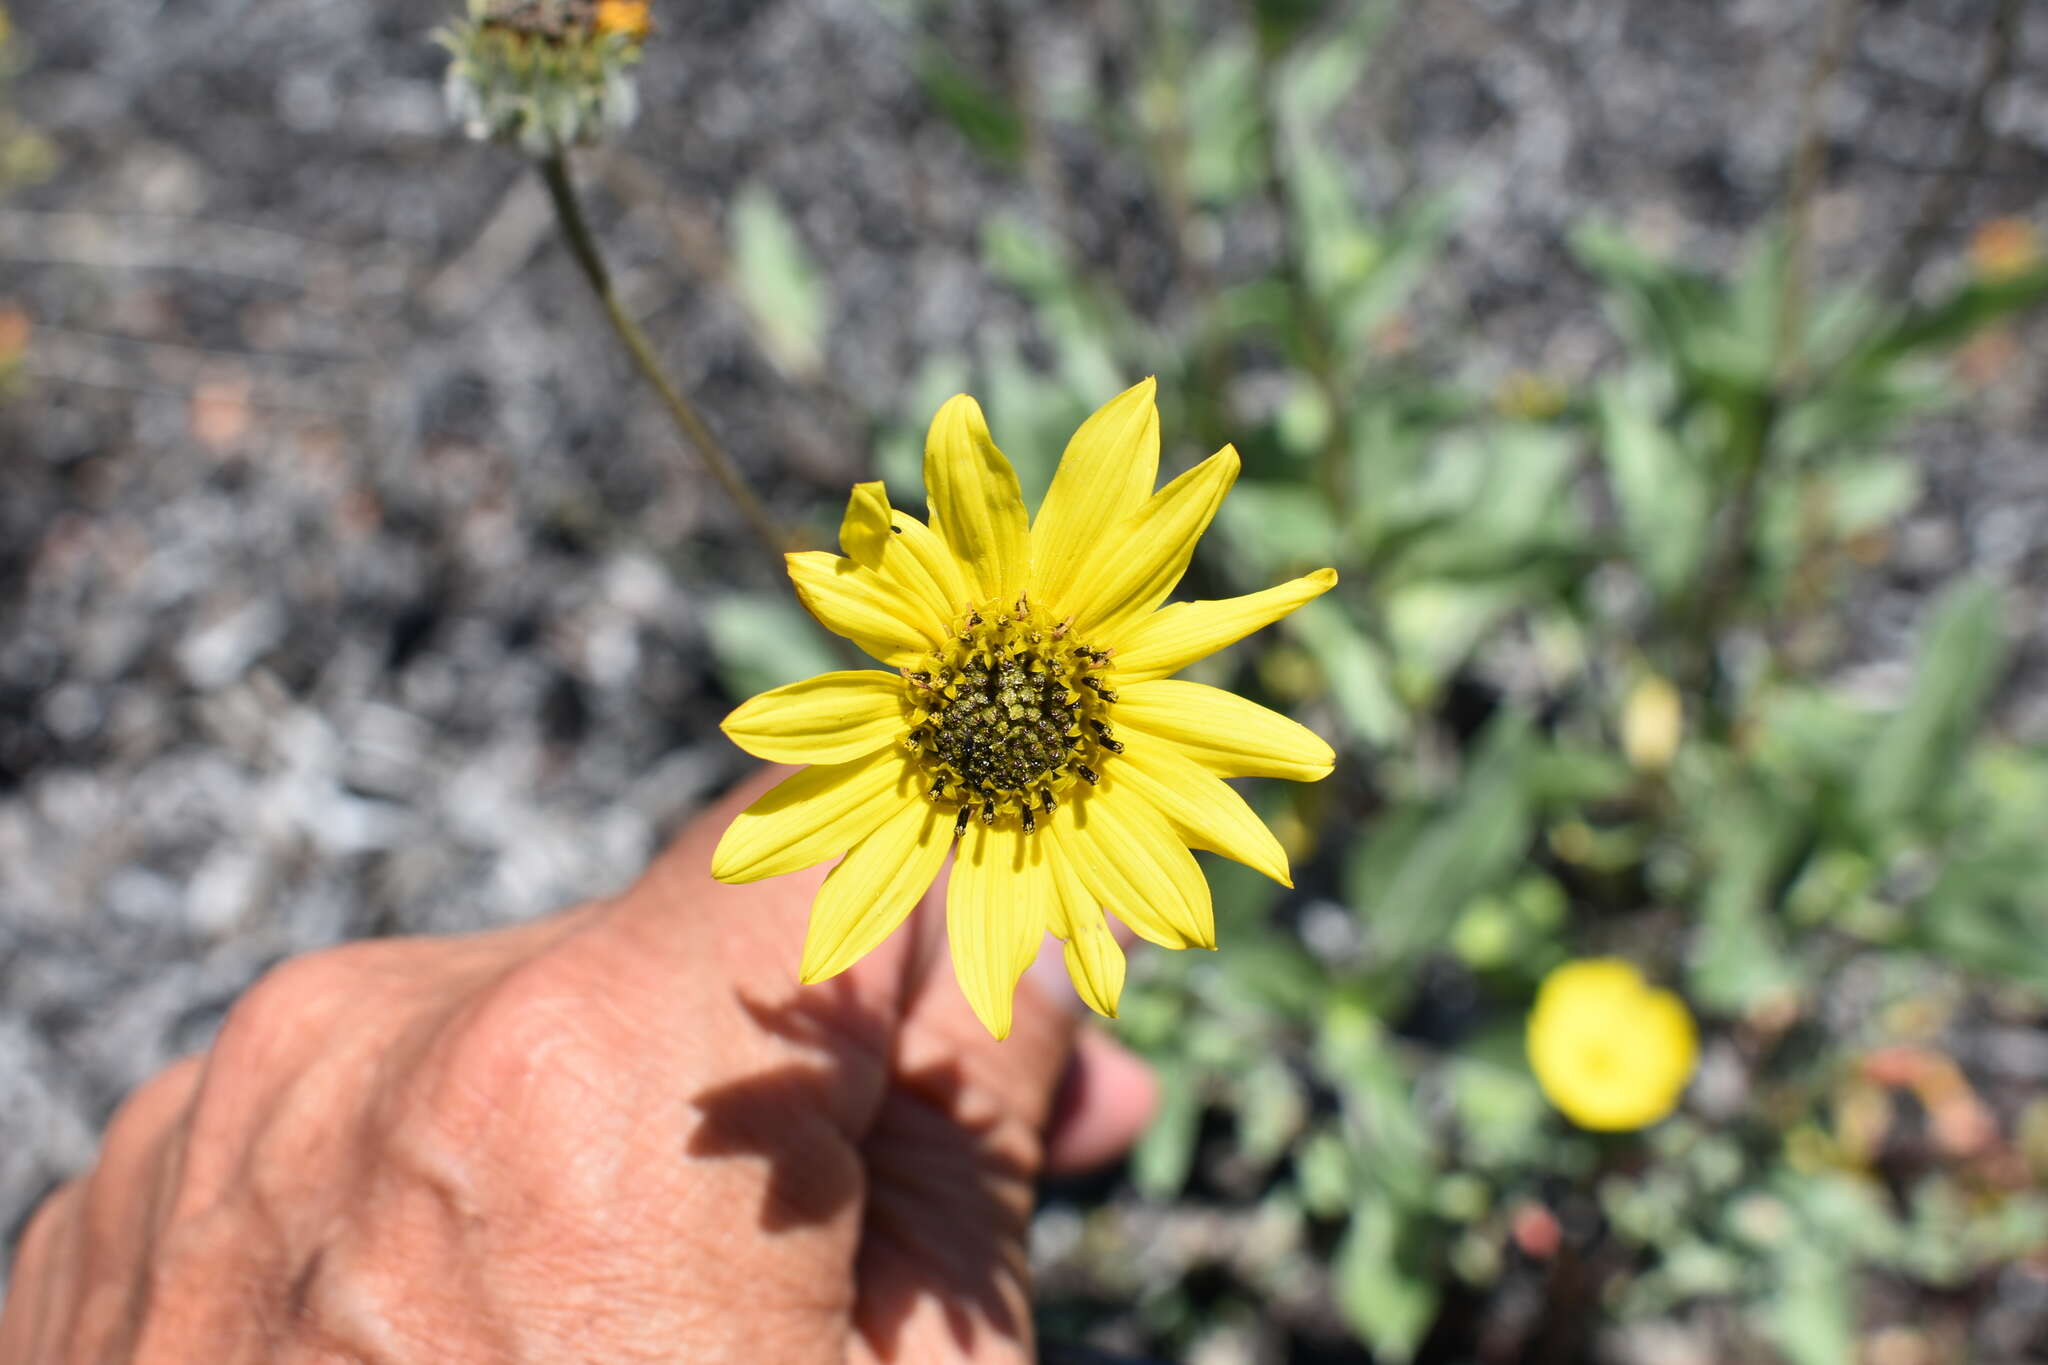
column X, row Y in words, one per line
column 854, row 602
column 1142, row 557
column 1201, row 808
column 908, row 555
column 1222, row 731
column 871, row 891
column 817, row 814
column 1130, row 861
column 1095, row 964
column 1174, row 637
column 1103, row 478
column 1095, row 960
column 997, row 907
column 864, row 530
column 976, row 505
column 831, row 718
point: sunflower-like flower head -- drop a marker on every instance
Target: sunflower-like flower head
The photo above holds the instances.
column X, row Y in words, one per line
column 545, row 74
column 1031, row 717
column 1610, row 1050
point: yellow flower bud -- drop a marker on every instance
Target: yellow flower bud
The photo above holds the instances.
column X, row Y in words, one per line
column 1652, row 723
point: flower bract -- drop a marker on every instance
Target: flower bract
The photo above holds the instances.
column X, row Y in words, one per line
column 544, row 75
column 1611, row 1051
column 1030, row 722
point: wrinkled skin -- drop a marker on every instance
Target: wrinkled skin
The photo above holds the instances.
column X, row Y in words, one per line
column 620, row 1134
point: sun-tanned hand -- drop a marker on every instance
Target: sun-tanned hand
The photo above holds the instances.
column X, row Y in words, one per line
column 620, row 1134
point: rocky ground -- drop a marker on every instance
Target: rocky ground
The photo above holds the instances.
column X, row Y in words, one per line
column 350, row 586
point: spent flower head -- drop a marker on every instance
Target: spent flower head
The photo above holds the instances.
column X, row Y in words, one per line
column 2004, row 249
column 1031, row 717
column 1611, row 1051
column 545, row 75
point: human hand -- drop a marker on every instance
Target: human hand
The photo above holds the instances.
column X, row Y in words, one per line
column 622, row 1133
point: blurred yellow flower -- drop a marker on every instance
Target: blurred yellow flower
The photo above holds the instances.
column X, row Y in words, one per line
column 1612, row 1052
column 1014, row 650
column 629, row 17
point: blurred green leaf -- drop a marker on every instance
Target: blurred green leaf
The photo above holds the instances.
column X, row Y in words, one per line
column 1390, row 1143
column 1087, row 328
column 1657, row 306
column 1865, row 495
column 1221, row 107
column 1383, row 1281
column 1280, row 22
column 1271, row 1108
column 1916, row 752
column 787, row 295
column 988, row 120
column 1324, row 1173
column 1357, row 671
column 765, row 640
column 1955, row 318
column 1809, row 734
column 1267, row 972
column 1738, row 956
column 1561, row 774
column 1285, row 527
column 1433, row 627
column 1501, row 1112
column 1811, row 1313
column 1984, row 913
column 1161, row 1161
column 1851, row 411
column 899, row 454
column 1491, row 512
column 1662, row 493
column 1409, row 893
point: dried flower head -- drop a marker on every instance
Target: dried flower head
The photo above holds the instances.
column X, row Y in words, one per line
column 544, row 75
column 2004, row 249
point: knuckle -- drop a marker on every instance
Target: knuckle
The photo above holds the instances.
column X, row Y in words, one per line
column 293, row 1000
column 534, row 1028
column 142, row 1119
column 279, row 1000
column 41, row 1235
column 530, row 1069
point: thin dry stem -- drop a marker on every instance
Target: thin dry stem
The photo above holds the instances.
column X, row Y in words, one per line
column 554, row 172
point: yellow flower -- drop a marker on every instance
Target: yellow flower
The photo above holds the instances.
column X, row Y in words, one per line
column 623, row 16
column 1611, row 1051
column 1030, row 717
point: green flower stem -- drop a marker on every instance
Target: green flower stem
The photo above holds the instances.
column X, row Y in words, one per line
column 554, row 171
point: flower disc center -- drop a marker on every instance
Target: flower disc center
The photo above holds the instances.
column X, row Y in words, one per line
column 1008, row 714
